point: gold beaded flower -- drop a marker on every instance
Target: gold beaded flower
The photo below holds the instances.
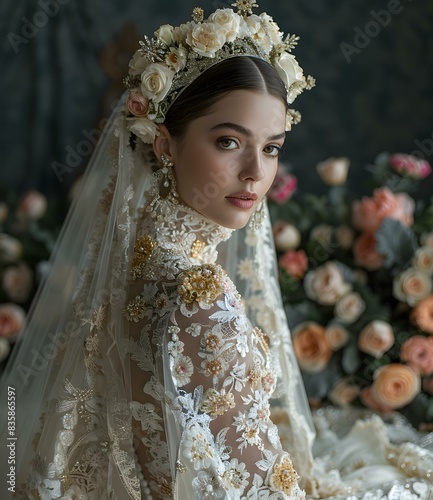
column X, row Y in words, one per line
column 202, row 284
column 143, row 249
column 284, row 476
column 217, row 403
column 134, row 311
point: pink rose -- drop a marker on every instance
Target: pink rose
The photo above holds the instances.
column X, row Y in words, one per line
column 283, row 187
column 11, row 319
column 137, row 104
column 311, row 348
column 32, row 205
column 364, row 251
column 376, row 338
column 395, row 385
column 410, row 165
column 343, row 393
column 369, row 213
column 417, row 352
column 18, row 282
column 294, row 263
column 326, row 284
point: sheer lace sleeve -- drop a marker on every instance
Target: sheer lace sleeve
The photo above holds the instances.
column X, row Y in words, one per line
column 221, row 368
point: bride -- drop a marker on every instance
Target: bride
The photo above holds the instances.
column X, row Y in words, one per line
column 156, row 361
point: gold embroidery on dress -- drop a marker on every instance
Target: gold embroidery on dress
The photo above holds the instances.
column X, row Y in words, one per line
column 201, row 284
column 197, row 249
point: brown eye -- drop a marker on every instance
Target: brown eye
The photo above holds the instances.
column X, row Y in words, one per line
column 272, row 150
column 225, row 143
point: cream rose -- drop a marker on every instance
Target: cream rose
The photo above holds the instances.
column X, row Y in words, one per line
column 11, row 319
column 423, row 260
column 376, row 338
column 272, row 27
column 32, row 205
column 411, row 286
column 206, row 39
column 137, row 104
column 10, row 248
column 333, row 171
column 138, row 64
column 290, row 72
column 257, row 32
column 323, row 234
column 180, row 32
column 344, row 236
column 427, row 239
column 5, row 348
column 18, row 282
column 395, row 385
column 310, row 346
column 337, row 336
column 422, row 315
column 286, row 236
column 417, row 352
column 344, row 392
column 326, row 284
column 176, row 58
column 349, row 307
column 156, row 81
column 144, row 129
column 229, row 21
column 165, row 34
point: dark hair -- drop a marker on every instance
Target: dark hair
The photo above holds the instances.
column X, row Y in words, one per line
column 235, row 73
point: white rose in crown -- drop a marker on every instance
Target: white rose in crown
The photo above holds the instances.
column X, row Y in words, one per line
column 180, row 32
column 206, row 39
column 165, row 34
column 176, row 59
column 144, row 128
column 138, row 64
column 156, row 81
column 258, row 33
column 273, row 29
column 290, row 72
column 229, row 21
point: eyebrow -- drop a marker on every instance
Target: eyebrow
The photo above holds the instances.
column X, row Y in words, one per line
column 245, row 131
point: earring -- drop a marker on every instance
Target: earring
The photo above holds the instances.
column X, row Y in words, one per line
column 258, row 217
column 166, row 173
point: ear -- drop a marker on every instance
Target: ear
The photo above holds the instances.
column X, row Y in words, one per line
column 164, row 144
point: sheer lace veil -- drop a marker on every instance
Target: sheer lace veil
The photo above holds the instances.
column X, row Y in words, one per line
column 76, row 322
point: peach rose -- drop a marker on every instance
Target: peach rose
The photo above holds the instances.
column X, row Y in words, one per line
column 337, row 336
column 376, row 338
column 367, row 399
column 343, row 393
column 395, row 385
column 137, row 104
column 369, row 213
column 32, row 205
column 422, row 315
column 311, row 348
column 417, row 352
column 411, row 286
column 11, row 319
column 423, row 260
column 364, row 251
column 10, row 248
column 344, row 236
column 427, row 385
column 18, row 282
column 333, row 171
column 349, row 307
column 286, row 236
column 326, row 284
column 294, row 263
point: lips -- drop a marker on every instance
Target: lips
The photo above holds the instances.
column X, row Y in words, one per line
column 244, row 200
column 244, row 195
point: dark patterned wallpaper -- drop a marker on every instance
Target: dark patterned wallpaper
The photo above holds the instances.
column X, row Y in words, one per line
column 63, row 60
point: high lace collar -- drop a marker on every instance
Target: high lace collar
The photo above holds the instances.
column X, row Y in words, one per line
column 182, row 229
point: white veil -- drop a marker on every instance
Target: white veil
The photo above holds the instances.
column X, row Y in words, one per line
column 76, row 322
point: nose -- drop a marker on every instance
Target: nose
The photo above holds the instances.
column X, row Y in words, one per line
column 251, row 166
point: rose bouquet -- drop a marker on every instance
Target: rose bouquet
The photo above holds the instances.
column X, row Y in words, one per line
column 27, row 235
column 356, row 275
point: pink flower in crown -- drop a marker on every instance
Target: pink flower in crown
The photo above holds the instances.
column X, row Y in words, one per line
column 137, row 104
column 410, row 165
column 294, row 263
column 283, row 187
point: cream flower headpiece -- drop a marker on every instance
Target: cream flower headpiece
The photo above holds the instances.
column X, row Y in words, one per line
column 167, row 64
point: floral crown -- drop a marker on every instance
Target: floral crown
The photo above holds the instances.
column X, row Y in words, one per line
column 164, row 66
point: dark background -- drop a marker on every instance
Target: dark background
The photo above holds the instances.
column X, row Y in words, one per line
column 59, row 80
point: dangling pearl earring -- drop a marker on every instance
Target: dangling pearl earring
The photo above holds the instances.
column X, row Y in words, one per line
column 168, row 175
column 257, row 217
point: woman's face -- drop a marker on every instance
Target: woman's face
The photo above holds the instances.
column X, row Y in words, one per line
column 228, row 159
